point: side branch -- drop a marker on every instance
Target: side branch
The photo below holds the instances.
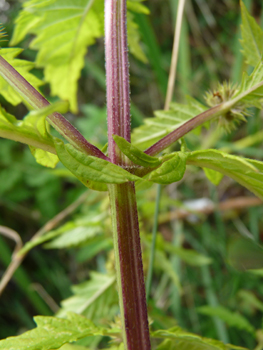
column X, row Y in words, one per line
column 191, row 124
column 37, row 101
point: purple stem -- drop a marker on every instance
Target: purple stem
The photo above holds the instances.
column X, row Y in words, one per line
column 126, row 235
column 117, row 77
column 191, row 124
column 37, row 101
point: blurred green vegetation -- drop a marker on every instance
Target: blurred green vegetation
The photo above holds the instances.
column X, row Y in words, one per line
column 30, row 195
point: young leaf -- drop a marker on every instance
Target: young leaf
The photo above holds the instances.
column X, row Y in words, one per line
column 76, row 24
column 96, row 298
column 252, row 37
column 164, row 122
column 23, row 67
column 180, row 339
column 170, row 171
column 232, row 319
column 247, row 172
column 134, row 154
column 91, row 170
column 53, row 332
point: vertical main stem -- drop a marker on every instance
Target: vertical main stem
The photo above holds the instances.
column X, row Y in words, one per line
column 117, row 76
column 124, row 214
column 129, row 267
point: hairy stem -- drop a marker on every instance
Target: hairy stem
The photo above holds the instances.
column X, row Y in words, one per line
column 191, row 124
column 37, row 101
column 117, row 76
column 124, row 215
column 128, row 260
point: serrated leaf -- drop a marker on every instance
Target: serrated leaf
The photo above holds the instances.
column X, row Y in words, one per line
column 96, row 298
column 180, row 339
column 214, row 176
column 250, row 91
column 165, row 122
column 247, row 172
column 170, row 171
column 26, row 131
column 76, row 232
column 134, row 154
column 252, row 37
column 232, row 319
column 91, row 169
column 52, row 333
column 134, row 39
column 23, row 67
column 74, row 237
column 63, row 31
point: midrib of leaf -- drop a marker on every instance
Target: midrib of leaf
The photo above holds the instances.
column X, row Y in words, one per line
column 87, row 8
column 97, row 295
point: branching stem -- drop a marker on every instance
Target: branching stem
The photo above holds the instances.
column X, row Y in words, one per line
column 37, row 101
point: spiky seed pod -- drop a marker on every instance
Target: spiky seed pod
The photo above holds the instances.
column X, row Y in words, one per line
column 232, row 118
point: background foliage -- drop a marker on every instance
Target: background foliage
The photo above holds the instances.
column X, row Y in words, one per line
column 199, row 278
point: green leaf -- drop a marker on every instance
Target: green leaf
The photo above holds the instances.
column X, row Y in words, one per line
column 37, row 120
column 76, row 25
column 214, row 176
column 250, row 91
column 31, row 131
column 134, row 154
column 167, row 267
column 165, row 122
column 96, row 298
column 74, row 237
column 91, row 170
column 247, row 172
column 189, row 256
column 252, row 37
column 52, row 333
column 72, row 347
column 176, row 338
column 23, row 67
column 249, row 300
column 44, row 158
column 136, row 6
column 73, row 233
column 232, row 319
column 244, row 254
column 170, row 171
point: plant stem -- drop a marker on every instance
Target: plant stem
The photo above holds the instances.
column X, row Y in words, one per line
column 37, row 101
column 128, row 260
column 191, row 124
column 126, row 235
